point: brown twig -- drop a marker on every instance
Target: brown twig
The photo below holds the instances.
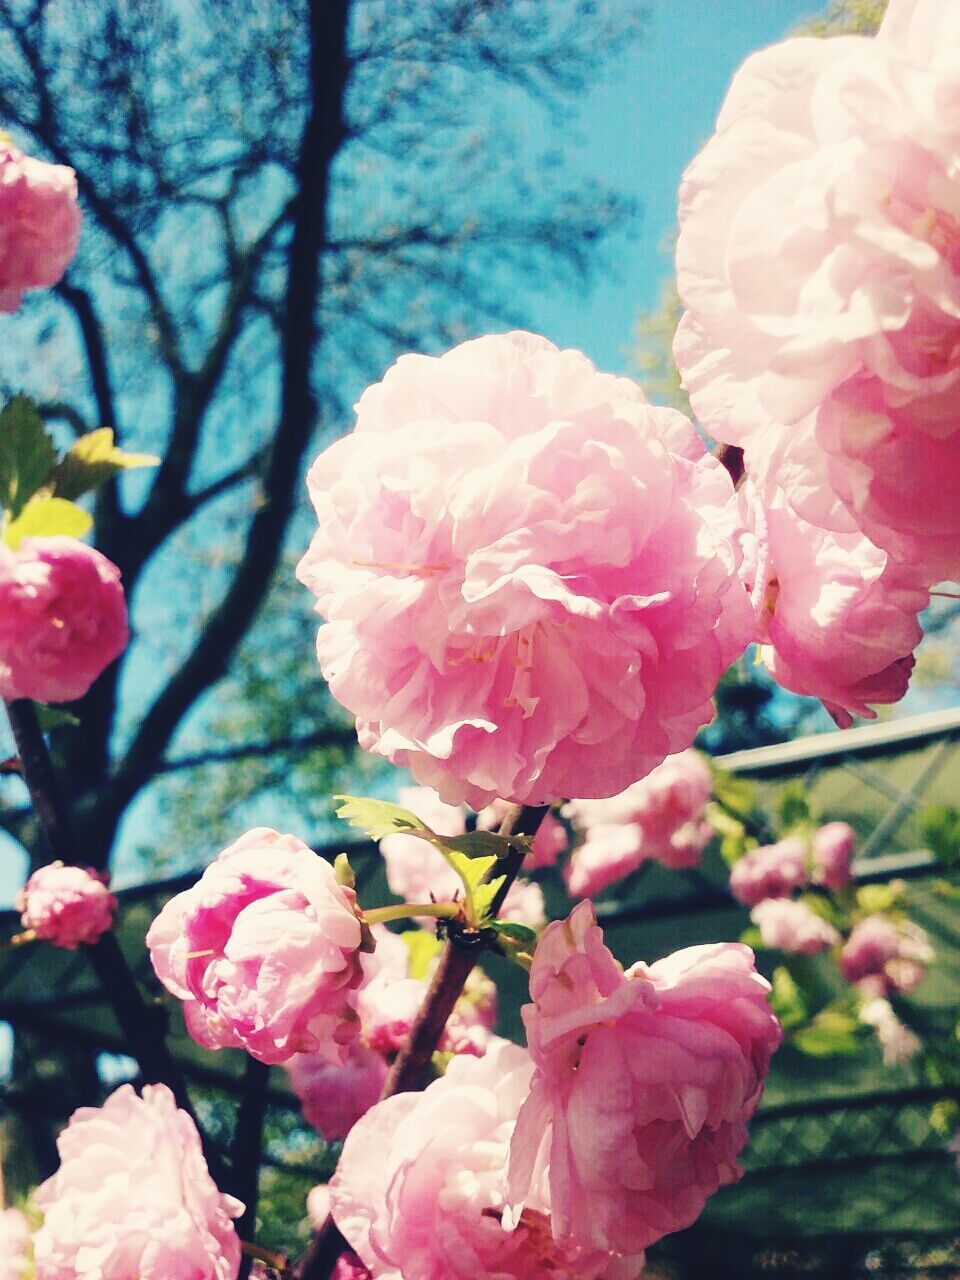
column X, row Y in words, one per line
column 409, row 1068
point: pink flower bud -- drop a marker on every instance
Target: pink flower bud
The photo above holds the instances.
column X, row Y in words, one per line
column 67, row 905
column 643, row 1087
column 63, row 619
column 792, row 926
column 263, row 951
column 133, row 1197
column 39, row 224
column 771, row 871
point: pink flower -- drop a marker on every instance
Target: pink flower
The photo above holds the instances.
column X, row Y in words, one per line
column 839, row 621
column 529, row 574
column 39, row 224
column 644, row 1083
column 133, row 1197
column 14, row 1244
column 419, row 1187
column 418, row 872
column 792, row 926
column 897, row 1042
column 832, row 851
column 263, row 951
column 334, row 1096
column 610, row 852
column 63, row 619
column 885, row 957
column 67, row 905
column 771, row 871
column 819, row 263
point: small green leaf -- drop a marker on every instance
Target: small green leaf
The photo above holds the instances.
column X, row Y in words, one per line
column 736, row 795
column 751, row 937
column 787, row 999
column 46, row 517
column 424, row 948
column 483, row 896
column 944, row 1117
column 55, row 718
column 520, row 935
column 478, row 844
column 92, row 461
column 27, row 454
column 940, row 825
column 832, row 1033
column 379, row 818
column 793, row 807
column 733, row 836
column 874, row 898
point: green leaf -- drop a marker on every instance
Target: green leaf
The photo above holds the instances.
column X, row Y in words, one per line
column 379, row 818
column 55, row 718
column 92, row 461
column 483, row 896
column 734, row 841
column 793, row 807
column 45, row 517
column 478, row 844
column 874, row 898
column 832, row 1033
column 520, row 935
column 940, row 825
column 27, row 454
column 787, row 999
column 752, row 938
column 736, row 795
column 424, row 948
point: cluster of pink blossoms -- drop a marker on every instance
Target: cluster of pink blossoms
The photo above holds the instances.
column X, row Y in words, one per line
column 660, row 818
column 67, row 905
column 885, row 957
column 63, row 618
column 39, row 224
column 818, row 264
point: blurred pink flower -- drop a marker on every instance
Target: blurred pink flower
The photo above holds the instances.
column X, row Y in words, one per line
column 832, row 854
column 63, row 619
column 418, row 872
column 67, row 905
column 839, row 617
column 885, row 957
column 333, row 1096
column 14, row 1244
column 659, row 818
column 133, row 1197
column 792, row 926
column 770, row 871
column 419, row 1187
column 263, row 950
column 644, row 1083
column 39, row 224
column 897, row 1042
column 529, row 574
column 818, row 262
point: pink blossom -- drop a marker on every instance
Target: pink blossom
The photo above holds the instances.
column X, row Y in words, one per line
column 14, row 1244
column 818, row 263
column 133, row 1197
column 839, row 620
column 418, row 872
column 529, row 574
column 832, row 852
column 897, row 1042
column 67, row 905
column 792, row 926
column 644, row 1083
column 39, row 224
column 419, row 1187
column 334, row 1096
column 263, row 951
column 885, row 957
column 63, row 619
column 610, row 852
column 771, row 871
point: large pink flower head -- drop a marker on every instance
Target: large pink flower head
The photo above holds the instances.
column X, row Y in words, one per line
column 14, row 1244
column 838, row 617
column 67, row 905
column 63, row 619
column 819, row 265
column 133, row 1197
column 39, row 224
column 333, row 1096
column 418, row 872
column 529, row 574
column 770, row 871
column 644, row 1085
column 419, row 1190
column 263, row 950
column 793, row 926
column 885, row 957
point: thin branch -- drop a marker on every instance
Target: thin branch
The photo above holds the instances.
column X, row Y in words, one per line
column 141, row 1024
column 332, row 736
column 245, row 1152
